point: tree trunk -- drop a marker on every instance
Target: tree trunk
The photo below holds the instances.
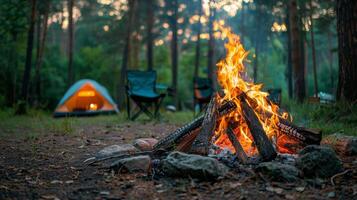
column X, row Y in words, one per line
column 330, row 61
column 174, row 56
column 198, row 42
column 210, row 53
column 150, row 23
column 296, row 56
column 289, row 73
column 257, row 43
column 347, row 49
column 28, row 63
column 316, row 88
column 70, row 43
column 125, row 55
column 242, row 23
column 39, row 59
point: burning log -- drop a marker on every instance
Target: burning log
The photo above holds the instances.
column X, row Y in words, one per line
column 189, row 130
column 261, row 140
column 202, row 141
column 304, row 135
column 242, row 157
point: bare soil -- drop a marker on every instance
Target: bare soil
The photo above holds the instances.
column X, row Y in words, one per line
column 51, row 167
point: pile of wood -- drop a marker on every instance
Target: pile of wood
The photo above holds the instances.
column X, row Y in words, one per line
column 195, row 137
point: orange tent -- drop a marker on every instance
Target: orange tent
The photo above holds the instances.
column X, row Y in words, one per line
column 85, row 97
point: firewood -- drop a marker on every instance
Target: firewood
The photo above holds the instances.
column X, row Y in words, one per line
column 187, row 141
column 241, row 155
column 174, row 138
column 202, row 141
column 264, row 146
column 304, row 135
column 342, row 144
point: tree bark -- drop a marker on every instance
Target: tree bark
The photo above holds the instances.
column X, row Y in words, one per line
column 174, row 51
column 70, row 77
column 257, row 42
column 289, row 69
column 28, row 63
column 39, row 59
column 347, row 50
column 125, row 55
column 296, row 56
column 198, row 42
column 150, row 23
column 316, row 88
column 210, row 53
column 332, row 82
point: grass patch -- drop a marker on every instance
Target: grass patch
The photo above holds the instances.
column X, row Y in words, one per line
column 330, row 118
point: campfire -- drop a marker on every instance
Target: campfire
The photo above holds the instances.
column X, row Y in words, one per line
column 241, row 118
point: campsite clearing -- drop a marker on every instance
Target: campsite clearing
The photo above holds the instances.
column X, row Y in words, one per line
column 43, row 157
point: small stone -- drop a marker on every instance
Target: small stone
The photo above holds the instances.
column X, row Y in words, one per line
column 278, row 172
column 145, row 144
column 116, row 150
column 133, row 164
column 331, row 194
column 274, row 189
column 300, row 189
column 56, row 182
column 190, row 165
column 318, row 161
column 104, row 193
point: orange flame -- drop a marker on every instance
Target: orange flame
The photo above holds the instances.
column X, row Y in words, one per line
column 231, row 77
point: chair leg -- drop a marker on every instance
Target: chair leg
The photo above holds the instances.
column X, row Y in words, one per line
column 157, row 107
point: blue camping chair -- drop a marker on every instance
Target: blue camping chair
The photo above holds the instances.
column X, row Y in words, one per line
column 141, row 88
column 202, row 93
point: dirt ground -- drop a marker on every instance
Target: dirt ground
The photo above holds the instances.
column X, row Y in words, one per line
column 51, row 167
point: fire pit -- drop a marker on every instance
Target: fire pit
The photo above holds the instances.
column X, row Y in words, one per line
column 241, row 119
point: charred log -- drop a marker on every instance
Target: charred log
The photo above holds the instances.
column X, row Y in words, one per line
column 176, row 137
column 264, row 146
column 202, row 141
column 304, row 135
column 241, row 155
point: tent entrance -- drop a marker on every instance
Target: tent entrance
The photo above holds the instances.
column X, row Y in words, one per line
column 87, row 98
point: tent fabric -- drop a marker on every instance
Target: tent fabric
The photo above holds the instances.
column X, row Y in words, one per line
column 85, row 97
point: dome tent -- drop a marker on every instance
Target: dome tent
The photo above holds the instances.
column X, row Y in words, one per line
column 84, row 98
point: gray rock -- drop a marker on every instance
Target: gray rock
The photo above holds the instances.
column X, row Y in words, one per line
column 116, row 150
column 318, row 161
column 278, row 172
column 189, row 165
column 132, row 164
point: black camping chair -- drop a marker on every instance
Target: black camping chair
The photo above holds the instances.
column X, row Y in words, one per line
column 141, row 89
column 275, row 96
column 202, row 93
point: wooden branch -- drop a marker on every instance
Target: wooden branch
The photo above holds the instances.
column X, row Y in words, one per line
column 174, row 138
column 240, row 153
column 264, row 146
column 202, row 141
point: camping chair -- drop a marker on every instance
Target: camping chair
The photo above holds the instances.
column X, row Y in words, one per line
column 202, row 93
column 275, row 96
column 141, row 89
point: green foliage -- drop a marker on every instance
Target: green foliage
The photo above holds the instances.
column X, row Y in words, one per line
column 330, row 118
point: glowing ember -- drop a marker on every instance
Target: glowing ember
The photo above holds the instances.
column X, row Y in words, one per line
column 231, row 71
